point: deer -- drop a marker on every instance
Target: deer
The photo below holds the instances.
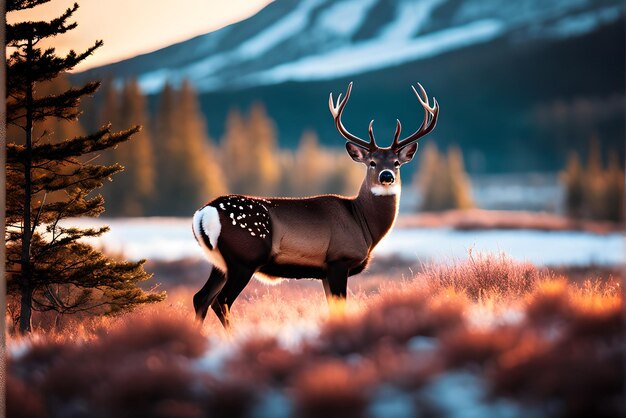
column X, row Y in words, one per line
column 325, row 237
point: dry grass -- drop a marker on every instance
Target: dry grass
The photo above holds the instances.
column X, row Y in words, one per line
column 530, row 335
column 483, row 276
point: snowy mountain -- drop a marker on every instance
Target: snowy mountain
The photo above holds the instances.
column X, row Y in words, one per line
column 303, row 40
column 520, row 83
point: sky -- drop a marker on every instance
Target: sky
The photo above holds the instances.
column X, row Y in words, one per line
column 132, row 27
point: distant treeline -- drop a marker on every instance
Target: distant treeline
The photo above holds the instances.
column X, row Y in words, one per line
column 172, row 167
column 594, row 190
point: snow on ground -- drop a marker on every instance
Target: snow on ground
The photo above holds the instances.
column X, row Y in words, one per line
column 171, row 239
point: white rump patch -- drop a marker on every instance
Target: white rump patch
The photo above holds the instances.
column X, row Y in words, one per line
column 208, row 219
column 380, row 190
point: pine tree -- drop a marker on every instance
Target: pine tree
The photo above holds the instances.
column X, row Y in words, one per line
column 137, row 183
column 442, row 180
column 200, row 177
column 460, row 183
column 164, row 147
column 264, row 173
column 594, row 182
column 594, row 191
column 573, row 179
column 108, row 114
column 236, row 156
column 309, row 169
column 188, row 172
column 47, row 267
column 614, row 190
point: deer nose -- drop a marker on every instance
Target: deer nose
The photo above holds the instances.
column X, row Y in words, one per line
column 386, row 177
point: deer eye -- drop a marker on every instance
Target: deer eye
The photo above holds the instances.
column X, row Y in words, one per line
column 372, row 164
column 396, row 164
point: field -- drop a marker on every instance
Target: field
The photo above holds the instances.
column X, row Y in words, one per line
column 483, row 336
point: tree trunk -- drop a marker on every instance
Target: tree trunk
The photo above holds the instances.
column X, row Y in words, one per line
column 26, row 271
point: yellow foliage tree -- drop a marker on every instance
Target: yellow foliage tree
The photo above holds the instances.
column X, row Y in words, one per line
column 442, row 180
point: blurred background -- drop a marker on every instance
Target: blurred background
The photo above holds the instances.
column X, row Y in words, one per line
column 499, row 286
column 532, row 98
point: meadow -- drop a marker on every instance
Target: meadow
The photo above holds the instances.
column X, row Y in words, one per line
column 484, row 336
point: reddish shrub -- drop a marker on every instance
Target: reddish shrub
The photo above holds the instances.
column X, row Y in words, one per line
column 128, row 371
column 23, row 400
column 574, row 358
column 465, row 347
column 405, row 368
column 333, row 389
column 264, row 360
column 230, row 398
column 397, row 317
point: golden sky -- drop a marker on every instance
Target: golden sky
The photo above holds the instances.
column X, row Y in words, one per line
column 131, row 27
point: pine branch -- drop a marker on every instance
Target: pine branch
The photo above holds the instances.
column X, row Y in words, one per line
column 36, row 31
column 14, row 5
column 61, row 106
column 98, row 141
column 44, row 66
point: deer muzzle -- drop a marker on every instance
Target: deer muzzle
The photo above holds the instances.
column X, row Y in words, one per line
column 386, row 177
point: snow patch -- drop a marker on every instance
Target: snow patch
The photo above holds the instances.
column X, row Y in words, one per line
column 359, row 58
column 171, row 239
column 389, row 401
column 579, row 24
column 285, row 28
column 345, row 18
column 464, row 395
column 410, row 19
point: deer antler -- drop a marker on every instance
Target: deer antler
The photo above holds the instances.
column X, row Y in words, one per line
column 337, row 110
column 428, row 124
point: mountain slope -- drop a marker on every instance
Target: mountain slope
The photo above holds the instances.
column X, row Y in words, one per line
column 520, row 83
column 307, row 40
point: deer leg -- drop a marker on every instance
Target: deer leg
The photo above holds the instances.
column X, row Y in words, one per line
column 238, row 279
column 337, row 278
column 220, row 307
column 205, row 296
column 327, row 292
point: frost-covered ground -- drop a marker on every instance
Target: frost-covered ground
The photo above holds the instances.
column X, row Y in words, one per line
column 172, row 239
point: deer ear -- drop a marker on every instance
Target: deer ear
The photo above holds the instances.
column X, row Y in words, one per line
column 357, row 153
column 406, row 153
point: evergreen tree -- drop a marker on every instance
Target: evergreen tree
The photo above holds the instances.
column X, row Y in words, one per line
column 574, row 182
column 236, row 155
column 108, row 114
column 188, row 172
column 594, row 191
column 136, row 184
column 442, row 180
column 309, row 170
column 200, row 177
column 614, row 190
column 264, row 169
column 594, row 182
column 164, row 147
column 460, row 183
column 47, row 267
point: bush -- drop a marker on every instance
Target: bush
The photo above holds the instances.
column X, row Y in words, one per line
column 483, row 275
column 442, row 180
column 594, row 191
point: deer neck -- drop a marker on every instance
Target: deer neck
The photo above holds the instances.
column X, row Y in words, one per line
column 376, row 211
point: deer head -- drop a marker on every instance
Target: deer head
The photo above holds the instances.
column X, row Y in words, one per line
column 383, row 174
